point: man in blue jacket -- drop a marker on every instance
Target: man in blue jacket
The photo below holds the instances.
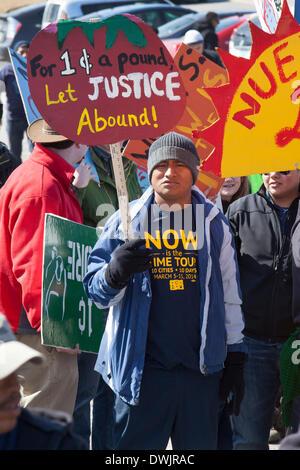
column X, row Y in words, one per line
column 175, row 309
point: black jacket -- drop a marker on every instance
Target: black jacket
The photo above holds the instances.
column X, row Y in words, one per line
column 265, row 264
column 211, row 39
column 296, row 269
column 213, row 56
column 8, row 163
column 39, row 429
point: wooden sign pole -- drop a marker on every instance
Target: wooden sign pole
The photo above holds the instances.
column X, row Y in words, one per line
column 116, row 156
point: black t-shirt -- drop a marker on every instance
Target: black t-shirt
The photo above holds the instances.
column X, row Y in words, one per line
column 174, row 322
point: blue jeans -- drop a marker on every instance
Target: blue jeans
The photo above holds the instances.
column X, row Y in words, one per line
column 103, row 417
column 91, row 386
column 224, row 429
column 16, row 129
column 251, row 429
column 180, row 404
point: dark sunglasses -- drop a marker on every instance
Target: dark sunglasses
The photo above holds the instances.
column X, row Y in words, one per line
column 285, row 173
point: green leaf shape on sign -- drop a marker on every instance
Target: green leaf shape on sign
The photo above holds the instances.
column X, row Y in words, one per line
column 114, row 24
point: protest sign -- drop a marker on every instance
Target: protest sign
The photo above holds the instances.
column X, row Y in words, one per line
column 269, row 12
column 103, row 82
column 68, row 317
column 88, row 159
column 259, row 126
column 197, row 72
column 113, row 79
column 20, row 69
column 142, row 177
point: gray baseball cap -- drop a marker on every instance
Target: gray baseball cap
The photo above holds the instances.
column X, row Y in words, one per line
column 13, row 353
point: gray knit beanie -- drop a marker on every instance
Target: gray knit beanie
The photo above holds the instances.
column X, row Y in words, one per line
column 173, row 146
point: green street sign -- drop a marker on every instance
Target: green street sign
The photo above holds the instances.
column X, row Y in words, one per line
column 68, row 317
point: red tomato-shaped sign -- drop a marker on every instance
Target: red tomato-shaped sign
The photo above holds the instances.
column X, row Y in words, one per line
column 105, row 81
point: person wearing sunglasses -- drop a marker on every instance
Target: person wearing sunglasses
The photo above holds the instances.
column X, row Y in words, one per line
column 261, row 224
column 285, row 173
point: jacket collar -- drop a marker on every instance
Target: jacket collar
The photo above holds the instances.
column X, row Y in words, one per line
column 263, row 193
column 63, row 170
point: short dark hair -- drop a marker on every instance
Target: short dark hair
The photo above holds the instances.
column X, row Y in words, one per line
column 211, row 15
column 63, row 144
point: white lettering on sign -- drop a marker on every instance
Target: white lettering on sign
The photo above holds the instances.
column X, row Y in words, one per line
column 82, row 323
column 137, row 84
column 78, row 260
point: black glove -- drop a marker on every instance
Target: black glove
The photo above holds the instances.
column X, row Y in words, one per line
column 233, row 381
column 128, row 259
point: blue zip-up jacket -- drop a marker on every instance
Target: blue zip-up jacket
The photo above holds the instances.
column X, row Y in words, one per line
column 123, row 346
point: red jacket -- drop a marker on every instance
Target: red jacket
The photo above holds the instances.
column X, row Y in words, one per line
column 40, row 185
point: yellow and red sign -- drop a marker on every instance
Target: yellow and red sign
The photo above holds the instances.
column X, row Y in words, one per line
column 106, row 81
column 197, row 72
column 259, row 126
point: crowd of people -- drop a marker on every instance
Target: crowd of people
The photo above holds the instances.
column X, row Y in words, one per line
column 197, row 306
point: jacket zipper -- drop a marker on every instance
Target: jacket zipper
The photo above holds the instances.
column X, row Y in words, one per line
column 276, row 275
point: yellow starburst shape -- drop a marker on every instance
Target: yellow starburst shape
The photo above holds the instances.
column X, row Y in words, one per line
column 258, row 129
